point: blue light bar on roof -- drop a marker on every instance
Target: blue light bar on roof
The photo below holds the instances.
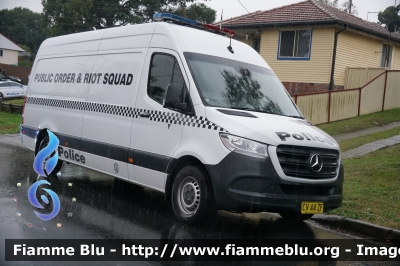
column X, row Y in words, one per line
column 167, row 16
column 209, row 27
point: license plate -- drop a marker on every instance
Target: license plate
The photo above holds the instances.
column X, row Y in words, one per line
column 312, row 207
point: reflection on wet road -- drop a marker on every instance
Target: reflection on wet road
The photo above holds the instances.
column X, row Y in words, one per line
column 100, row 208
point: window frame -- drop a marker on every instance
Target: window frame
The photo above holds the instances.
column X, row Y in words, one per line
column 389, row 66
column 188, row 98
column 1, row 52
column 293, row 58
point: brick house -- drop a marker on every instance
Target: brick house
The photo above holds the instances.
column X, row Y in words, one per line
column 309, row 45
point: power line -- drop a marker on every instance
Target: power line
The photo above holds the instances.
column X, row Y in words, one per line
column 244, row 6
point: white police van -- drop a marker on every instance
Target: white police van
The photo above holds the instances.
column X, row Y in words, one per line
column 184, row 111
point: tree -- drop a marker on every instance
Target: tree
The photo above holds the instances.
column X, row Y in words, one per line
column 344, row 7
column 66, row 16
column 70, row 16
column 197, row 11
column 22, row 26
column 390, row 14
column 333, row 3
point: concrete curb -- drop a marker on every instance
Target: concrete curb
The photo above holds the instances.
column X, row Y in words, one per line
column 361, row 227
column 366, row 131
column 371, row 147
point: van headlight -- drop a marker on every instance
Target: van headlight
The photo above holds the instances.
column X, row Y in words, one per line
column 244, row 146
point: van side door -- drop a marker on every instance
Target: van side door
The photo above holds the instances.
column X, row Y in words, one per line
column 108, row 119
column 158, row 130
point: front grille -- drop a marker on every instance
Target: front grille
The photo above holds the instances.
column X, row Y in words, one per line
column 295, row 161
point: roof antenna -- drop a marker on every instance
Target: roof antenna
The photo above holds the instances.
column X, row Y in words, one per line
column 220, row 24
column 230, row 43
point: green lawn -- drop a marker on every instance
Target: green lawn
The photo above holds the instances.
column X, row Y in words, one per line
column 361, row 122
column 349, row 144
column 15, row 101
column 371, row 188
column 9, row 123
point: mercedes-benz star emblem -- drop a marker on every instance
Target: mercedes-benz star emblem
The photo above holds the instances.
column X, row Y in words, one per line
column 116, row 168
column 316, row 162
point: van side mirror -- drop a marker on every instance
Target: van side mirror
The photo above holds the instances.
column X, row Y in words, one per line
column 175, row 97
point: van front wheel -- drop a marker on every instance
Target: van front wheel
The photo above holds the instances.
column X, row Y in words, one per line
column 192, row 198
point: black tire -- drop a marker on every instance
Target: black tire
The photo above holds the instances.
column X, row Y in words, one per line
column 43, row 143
column 192, row 196
column 295, row 216
column 1, row 97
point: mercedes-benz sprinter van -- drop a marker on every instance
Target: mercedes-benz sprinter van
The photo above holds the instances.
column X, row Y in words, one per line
column 187, row 112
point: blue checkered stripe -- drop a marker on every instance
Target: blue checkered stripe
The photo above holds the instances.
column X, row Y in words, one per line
column 118, row 110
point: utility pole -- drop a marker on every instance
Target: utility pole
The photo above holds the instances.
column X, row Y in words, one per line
column 350, row 4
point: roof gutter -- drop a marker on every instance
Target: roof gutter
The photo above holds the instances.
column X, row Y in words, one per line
column 332, row 83
column 313, row 22
column 280, row 24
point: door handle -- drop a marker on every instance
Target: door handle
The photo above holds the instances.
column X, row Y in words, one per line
column 144, row 114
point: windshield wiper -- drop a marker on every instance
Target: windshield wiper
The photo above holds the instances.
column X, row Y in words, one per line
column 295, row 116
column 253, row 110
column 241, row 108
column 265, row 112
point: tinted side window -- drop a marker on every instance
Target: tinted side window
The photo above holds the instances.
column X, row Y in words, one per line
column 164, row 70
column 13, row 84
column 5, row 84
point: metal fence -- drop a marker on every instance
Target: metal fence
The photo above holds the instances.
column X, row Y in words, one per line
column 357, row 77
column 381, row 93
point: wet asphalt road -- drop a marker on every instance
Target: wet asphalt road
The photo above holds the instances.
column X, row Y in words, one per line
column 103, row 211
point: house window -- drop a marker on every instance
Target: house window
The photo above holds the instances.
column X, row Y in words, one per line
column 1, row 53
column 256, row 44
column 386, row 60
column 294, row 45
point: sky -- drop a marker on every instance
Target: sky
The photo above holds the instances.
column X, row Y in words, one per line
column 233, row 8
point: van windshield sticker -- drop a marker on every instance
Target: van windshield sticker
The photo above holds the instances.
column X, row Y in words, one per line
column 92, row 78
column 156, row 116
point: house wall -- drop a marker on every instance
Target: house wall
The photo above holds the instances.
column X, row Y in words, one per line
column 9, row 57
column 300, row 76
column 355, row 50
column 249, row 41
column 396, row 58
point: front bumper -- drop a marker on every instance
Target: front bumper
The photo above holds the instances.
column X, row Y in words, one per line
column 243, row 183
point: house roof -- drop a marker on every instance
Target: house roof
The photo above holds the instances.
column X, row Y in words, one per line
column 307, row 12
column 7, row 44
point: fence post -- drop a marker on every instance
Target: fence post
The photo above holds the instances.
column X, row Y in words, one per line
column 295, row 99
column 359, row 100
column 329, row 107
column 384, row 91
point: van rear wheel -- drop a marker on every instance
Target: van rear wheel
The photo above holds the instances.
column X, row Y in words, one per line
column 43, row 143
column 192, row 197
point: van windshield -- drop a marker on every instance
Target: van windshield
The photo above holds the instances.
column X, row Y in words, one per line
column 238, row 85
